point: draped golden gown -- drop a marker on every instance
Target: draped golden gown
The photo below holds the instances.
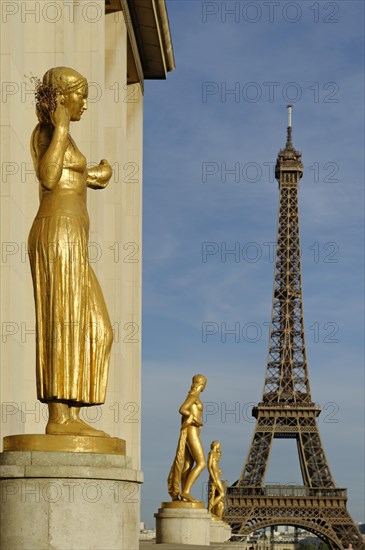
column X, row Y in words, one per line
column 73, row 330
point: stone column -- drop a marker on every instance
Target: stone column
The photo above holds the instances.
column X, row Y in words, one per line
column 180, row 522
column 68, row 500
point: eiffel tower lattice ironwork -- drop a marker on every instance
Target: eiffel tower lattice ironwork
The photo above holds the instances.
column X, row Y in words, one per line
column 286, row 409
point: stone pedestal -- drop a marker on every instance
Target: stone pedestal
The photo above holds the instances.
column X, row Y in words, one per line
column 219, row 531
column 183, row 523
column 68, row 500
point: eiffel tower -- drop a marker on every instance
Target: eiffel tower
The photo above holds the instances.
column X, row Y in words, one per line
column 286, row 410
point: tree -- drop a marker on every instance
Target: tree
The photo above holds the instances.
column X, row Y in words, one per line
column 306, row 546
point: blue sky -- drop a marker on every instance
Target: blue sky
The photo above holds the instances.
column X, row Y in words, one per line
column 309, row 54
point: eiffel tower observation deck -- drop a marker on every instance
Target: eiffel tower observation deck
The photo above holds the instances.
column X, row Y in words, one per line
column 287, row 410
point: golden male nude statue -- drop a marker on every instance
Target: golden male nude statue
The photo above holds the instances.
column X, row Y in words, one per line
column 189, row 461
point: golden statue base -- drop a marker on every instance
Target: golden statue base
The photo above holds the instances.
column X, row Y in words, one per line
column 65, row 444
column 216, row 518
column 182, row 504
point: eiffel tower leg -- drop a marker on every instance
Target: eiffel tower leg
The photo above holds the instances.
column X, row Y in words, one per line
column 347, row 532
column 315, row 469
column 253, row 473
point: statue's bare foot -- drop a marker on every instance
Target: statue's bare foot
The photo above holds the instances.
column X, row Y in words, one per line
column 186, row 497
column 73, row 427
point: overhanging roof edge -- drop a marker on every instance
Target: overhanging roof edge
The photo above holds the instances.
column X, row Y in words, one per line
column 153, row 68
column 163, row 20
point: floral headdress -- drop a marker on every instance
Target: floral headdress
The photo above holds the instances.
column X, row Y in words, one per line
column 48, row 90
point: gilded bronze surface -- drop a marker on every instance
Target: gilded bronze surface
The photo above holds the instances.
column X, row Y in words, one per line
column 189, row 460
column 216, row 489
column 65, row 444
column 73, row 330
column 180, row 504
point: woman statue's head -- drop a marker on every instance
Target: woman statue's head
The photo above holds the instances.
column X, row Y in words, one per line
column 61, row 85
column 215, row 445
column 199, row 382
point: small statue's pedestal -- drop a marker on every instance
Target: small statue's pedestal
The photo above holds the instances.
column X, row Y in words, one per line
column 219, row 531
column 61, row 499
column 183, row 523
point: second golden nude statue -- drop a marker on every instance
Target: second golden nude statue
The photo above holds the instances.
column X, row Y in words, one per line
column 216, row 489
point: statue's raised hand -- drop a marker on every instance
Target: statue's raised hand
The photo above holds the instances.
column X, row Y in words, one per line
column 61, row 116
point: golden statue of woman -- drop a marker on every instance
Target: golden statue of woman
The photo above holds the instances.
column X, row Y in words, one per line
column 73, row 330
column 189, row 461
column 216, row 489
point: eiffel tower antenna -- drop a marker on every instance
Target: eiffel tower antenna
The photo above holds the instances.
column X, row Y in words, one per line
column 286, row 410
column 289, row 138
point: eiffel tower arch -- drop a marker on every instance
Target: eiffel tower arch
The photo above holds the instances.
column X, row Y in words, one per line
column 287, row 410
